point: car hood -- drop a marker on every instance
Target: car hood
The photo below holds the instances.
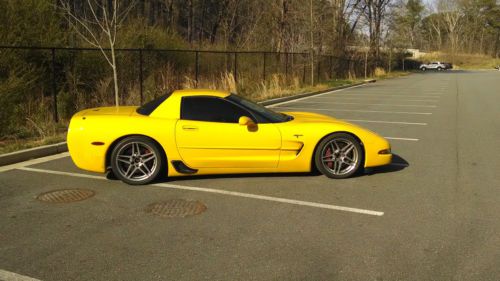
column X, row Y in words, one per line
column 309, row 117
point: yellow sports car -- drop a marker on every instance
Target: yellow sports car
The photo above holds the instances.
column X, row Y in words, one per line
column 200, row 132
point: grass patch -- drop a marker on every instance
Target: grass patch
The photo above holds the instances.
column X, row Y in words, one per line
column 275, row 89
column 464, row 61
column 267, row 91
column 393, row 74
column 11, row 145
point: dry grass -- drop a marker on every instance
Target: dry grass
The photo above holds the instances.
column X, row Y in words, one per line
column 226, row 82
column 394, row 74
column 39, row 129
column 379, row 72
column 14, row 144
column 277, row 86
column 102, row 92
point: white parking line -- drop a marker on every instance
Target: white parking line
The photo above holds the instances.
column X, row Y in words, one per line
column 394, row 92
column 383, row 95
column 385, row 122
column 33, row 161
column 11, row 276
column 375, row 98
column 319, row 95
column 379, row 104
column 79, row 175
column 355, row 110
column 225, row 192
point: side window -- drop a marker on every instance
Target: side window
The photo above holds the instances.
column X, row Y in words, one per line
column 210, row 109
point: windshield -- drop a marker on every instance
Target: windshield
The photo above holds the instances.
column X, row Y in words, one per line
column 269, row 115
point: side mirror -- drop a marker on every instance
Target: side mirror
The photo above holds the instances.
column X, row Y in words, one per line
column 245, row 121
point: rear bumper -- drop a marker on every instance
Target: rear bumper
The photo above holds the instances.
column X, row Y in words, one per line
column 85, row 155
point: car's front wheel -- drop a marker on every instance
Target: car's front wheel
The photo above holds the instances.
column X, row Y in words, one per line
column 338, row 156
column 423, row 68
column 137, row 160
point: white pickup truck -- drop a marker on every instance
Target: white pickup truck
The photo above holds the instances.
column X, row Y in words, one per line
column 435, row 66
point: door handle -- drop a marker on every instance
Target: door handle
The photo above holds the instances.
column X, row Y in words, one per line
column 189, row 128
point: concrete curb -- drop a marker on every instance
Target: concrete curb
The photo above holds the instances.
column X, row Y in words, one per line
column 31, row 153
column 46, row 150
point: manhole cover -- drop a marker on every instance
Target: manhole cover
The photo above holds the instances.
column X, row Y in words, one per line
column 65, row 195
column 177, row 208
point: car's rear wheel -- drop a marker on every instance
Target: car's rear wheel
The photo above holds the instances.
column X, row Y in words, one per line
column 424, row 68
column 137, row 160
column 338, row 156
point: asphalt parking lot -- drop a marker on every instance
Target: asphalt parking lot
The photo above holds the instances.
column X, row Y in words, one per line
column 431, row 215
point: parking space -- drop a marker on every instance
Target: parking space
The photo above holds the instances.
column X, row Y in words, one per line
column 431, row 215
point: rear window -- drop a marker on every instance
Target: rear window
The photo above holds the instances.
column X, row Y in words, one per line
column 149, row 107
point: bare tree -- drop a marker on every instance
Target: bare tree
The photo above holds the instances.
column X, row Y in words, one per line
column 451, row 19
column 435, row 23
column 97, row 25
column 375, row 12
column 346, row 15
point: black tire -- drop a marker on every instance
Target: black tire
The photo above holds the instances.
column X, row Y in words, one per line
column 439, row 68
column 423, row 68
column 137, row 160
column 332, row 146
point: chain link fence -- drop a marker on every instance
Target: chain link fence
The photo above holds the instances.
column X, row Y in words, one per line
column 54, row 83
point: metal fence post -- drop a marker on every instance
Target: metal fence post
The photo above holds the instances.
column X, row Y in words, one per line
column 331, row 67
column 235, row 67
column 304, row 73
column 141, row 78
column 54, row 86
column 318, row 78
column 286, row 64
column 264, row 69
column 348, row 72
column 196, row 68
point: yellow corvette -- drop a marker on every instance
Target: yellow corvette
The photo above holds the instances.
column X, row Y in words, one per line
column 200, row 132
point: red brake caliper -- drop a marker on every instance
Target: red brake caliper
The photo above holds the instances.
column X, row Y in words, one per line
column 328, row 153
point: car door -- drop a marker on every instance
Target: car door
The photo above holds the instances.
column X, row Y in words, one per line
column 208, row 136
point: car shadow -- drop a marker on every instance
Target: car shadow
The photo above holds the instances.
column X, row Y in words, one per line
column 397, row 164
column 235, row 176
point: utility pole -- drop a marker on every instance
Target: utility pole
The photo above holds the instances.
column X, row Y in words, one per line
column 312, row 42
column 366, row 63
column 390, row 58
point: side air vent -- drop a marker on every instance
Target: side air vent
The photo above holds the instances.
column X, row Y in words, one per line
column 182, row 168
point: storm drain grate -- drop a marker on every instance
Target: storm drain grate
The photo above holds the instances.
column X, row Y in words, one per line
column 65, row 195
column 177, row 208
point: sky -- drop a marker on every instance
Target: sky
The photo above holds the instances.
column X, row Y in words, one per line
column 429, row 3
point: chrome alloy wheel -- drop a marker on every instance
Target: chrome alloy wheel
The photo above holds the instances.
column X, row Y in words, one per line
column 136, row 161
column 340, row 156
